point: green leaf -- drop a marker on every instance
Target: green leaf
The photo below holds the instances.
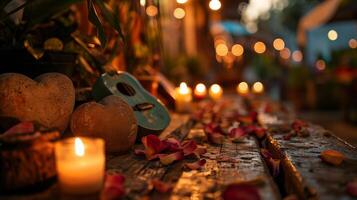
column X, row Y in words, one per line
column 94, row 19
column 110, row 17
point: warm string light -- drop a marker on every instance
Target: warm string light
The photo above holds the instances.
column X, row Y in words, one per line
column 352, row 43
column 152, row 11
column 297, row 56
column 142, row 2
column 214, row 5
column 200, row 91
column 222, row 50
column 320, row 65
column 259, row 47
column 179, row 13
column 285, row 53
column 332, row 35
column 237, row 50
column 258, row 87
column 215, row 92
column 181, row 1
column 183, row 89
column 243, row 88
column 279, row 44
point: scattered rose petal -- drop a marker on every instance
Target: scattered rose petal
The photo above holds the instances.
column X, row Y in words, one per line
column 332, row 157
column 241, row 192
column 189, row 147
column 265, row 153
column 351, row 188
column 167, row 159
column 152, row 145
column 212, row 128
column 237, row 134
column 200, row 151
column 113, row 187
column 139, row 152
column 297, row 125
column 260, row 132
column 171, row 144
column 23, row 127
column 215, row 138
column 161, row 186
column 195, row 165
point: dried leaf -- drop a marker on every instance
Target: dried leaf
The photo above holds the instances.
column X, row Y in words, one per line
column 332, row 157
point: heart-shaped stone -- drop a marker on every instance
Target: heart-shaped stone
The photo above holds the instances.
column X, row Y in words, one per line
column 111, row 119
column 48, row 99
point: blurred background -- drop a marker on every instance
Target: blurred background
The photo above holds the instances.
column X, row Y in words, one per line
column 304, row 52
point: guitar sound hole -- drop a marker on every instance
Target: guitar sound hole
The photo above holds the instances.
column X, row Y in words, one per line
column 125, row 89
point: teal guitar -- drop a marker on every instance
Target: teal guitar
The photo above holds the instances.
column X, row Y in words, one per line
column 150, row 113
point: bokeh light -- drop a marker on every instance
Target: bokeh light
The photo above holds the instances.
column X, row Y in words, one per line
column 222, row 50
column 152, row 11
column 297, row 56
column 237, row 50
column 179, row 13
column 259, row 47
column 181, row 1
column 279, row 44
column 142, row 2
column 258, row 87
column 352, row 43
column 214, row 4
column 320, row 65
column 332, row 35
column 285, row 53
column 243, row 88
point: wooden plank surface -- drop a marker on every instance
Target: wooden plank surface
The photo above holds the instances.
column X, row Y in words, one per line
column 305, row 174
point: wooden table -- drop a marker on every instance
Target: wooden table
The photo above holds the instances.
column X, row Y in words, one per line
column 302, row 174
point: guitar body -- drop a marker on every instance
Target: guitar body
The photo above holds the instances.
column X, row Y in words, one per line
column 150, row 113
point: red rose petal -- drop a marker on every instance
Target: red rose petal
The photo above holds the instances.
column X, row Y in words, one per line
column 171, row 144
column 212, row 128
column 161, row 186
column 237, row 134
column 241, row 192
column 332, row 157
column 23, row 127
column 139, row 152
column 152, row 144
column 265, row 153
column 260, row 132
column 195, row 165
column 167, row 159
column 297, row 125
column 351, row 188
column 189, row 147
column 113, row 187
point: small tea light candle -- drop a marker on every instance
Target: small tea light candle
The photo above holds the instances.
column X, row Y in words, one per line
column 243, row 88
column 215, row 92
column 80, row 165
column 200, row 91
column 183, row 98
column 258, row 88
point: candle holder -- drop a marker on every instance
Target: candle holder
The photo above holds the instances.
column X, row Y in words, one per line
column 80, row 165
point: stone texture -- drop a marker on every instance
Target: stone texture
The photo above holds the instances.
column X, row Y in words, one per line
column 48, row 99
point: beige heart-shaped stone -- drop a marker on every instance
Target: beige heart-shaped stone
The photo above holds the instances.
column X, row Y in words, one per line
column 111, row 119
column 48, row 99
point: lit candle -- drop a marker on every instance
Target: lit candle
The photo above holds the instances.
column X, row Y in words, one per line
column 258, row 88
column 80, row 165
column 200, row 91
column 215, row 92
column 183, row 98
column 243, row 88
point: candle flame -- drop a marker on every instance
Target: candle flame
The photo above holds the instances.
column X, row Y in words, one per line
column 243, row 88
column 215, row 88
column 201, row 88
column 183, row 88
column 78, row 147
column 258, row 87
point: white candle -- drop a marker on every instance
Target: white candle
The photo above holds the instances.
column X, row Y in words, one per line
column 243, row 88
column 215, row 92
column 200, row 91
column 258, row 88
column 80, row 165
column 183, row 98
